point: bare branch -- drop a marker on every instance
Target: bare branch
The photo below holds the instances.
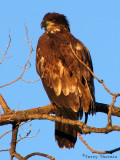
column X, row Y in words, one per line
column 3, row 150
column 39, row 154
column 11, row 129
column 25, row 67
column 95, row 151
column 4, row 54
column 28, row 136
column 113, row 94
column 110, row 111
column 24, row 130
column 30, row 81
column 14, row 112
column 113, row 150
column 4, row 105
column 13, row 141
column 28, row 114
column 29, row 155
column 5, row 133
column 84, row 64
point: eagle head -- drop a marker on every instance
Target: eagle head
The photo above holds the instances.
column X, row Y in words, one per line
column 55, row 21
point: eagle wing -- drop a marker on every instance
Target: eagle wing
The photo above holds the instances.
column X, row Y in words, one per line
column 59, row 65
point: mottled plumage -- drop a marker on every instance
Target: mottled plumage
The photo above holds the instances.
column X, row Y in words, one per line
column 68, row 83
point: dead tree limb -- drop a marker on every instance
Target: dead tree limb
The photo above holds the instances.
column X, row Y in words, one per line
column 44, row 113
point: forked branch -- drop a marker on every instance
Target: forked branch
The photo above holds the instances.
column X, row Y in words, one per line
column 4, row 54
column 25, row 67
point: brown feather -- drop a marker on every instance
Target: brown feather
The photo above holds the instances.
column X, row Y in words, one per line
column 68, row 83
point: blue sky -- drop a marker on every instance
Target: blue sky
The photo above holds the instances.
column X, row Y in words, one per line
column 97, row 25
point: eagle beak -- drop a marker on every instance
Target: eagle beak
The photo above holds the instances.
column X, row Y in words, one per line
column 43, row 24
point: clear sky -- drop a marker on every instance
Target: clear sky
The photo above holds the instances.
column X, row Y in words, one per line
column 97, row 25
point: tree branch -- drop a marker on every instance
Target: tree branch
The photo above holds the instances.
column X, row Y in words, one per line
column 95, row 151
column 25, row 67
column 39, row 154
column 11, row 130
column 4, row 105
column 40, row 113
column 13, row 152
column 110, row 111
column 27, row 137
column 4, row 54
column 103, row 108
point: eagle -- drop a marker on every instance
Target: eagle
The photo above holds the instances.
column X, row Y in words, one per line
column 62, row 62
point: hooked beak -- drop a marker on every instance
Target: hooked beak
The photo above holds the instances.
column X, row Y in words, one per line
column 43, row 24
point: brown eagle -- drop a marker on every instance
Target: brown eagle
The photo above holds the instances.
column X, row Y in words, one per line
column 67, row 81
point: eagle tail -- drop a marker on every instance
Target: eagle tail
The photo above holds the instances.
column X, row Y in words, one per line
column 65, row 134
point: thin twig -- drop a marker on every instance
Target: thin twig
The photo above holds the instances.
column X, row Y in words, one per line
column 23, row 129
column 100, row 81
column 26, row 131
column 93, row 151
column 14, row 112
column 26, row 67
column 30, row 81
column 11, row 129
column 27, row 136
column 111, row 93
column 84, row 64
column 5, row 133
column 2, row 150
column 4, row 54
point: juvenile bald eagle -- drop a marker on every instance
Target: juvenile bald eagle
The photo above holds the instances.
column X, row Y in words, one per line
column 68, row 83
